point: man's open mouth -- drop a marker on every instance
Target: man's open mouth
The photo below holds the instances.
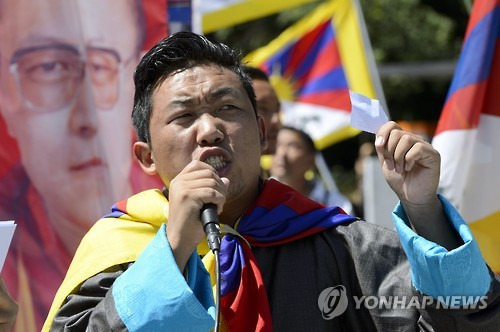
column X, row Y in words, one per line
column 217, row 162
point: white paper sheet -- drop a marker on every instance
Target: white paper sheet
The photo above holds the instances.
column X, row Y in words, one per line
column 366, row 114
column 7, row 229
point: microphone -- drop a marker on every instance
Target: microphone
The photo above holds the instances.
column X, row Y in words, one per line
column 210, row 223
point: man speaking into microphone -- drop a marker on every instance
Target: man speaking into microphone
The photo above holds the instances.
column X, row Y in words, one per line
column 146, row 266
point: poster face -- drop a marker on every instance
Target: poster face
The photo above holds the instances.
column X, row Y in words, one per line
column 66, row 96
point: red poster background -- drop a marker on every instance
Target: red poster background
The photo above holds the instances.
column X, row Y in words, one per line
column 39, row 256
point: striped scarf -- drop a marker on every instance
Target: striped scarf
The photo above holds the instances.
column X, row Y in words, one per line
column 280, row 215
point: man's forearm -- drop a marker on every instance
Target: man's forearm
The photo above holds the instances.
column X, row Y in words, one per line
column 430, row 222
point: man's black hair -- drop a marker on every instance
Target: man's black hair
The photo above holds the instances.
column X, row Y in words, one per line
column 304, row 136
column 256, row 73
column 180, row 51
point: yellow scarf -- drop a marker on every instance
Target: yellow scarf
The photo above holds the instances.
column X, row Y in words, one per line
column 114, row 241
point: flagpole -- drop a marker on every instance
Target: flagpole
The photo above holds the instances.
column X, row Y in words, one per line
column 196, row 17
column 372, row 65
column 325, row 173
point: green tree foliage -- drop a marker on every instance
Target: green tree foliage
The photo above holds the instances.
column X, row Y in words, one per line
column 415, row 31
column 409, row 31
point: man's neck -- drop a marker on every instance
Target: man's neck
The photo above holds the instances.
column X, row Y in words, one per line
column 234, row 209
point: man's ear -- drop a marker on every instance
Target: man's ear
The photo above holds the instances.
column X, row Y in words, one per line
column 144, row 155
column 262, row 133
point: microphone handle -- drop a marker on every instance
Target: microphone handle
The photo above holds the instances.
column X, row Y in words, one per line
column 210, row 222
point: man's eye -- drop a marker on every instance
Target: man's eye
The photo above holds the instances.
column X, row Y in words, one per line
column 181, row 117
column 50, row 66
column 47, row 71
column 228, row 107
column 96, row 67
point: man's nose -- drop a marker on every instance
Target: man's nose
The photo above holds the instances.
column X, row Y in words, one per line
column 209, row 131
column 83, row 116
column 280, row 151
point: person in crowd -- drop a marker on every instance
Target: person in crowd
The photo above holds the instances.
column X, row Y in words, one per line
column 66, row 72
column 268, row 105
column 284, row 258
column 269, row 109
column 295, row 155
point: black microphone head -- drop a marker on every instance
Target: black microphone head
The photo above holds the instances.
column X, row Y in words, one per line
column 210, row 223
column 209, row 214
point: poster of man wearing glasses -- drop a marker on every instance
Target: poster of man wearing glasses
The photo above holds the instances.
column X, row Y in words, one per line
column 66, row 95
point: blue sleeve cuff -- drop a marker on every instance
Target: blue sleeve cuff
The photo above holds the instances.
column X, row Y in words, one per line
column 153, row 295
column 438, row 272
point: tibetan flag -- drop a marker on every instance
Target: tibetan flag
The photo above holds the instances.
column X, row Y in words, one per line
column 468, row 132
column 313, row 64
column 209, row 16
